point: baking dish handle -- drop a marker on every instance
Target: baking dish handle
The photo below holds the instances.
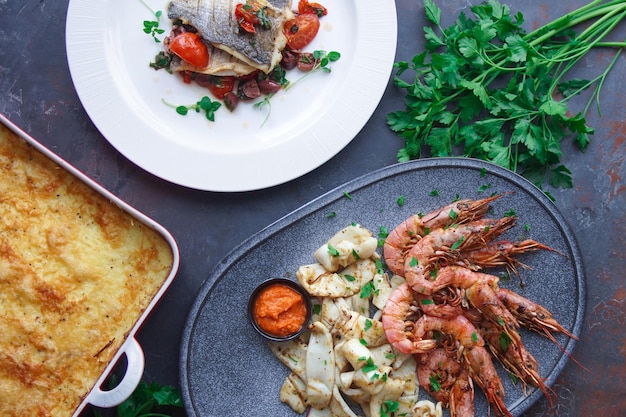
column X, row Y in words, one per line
column 134, row 372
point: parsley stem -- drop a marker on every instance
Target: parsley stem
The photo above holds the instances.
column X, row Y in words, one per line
column 599, row 83
column 605, row 44
column 603, row 30
column 570, row 20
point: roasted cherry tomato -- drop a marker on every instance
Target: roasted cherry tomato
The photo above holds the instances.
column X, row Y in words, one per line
column 187, row 76
column 220, row 86
column 247, row 16
column 190, row 48
column 306, row 6
column 301, row 30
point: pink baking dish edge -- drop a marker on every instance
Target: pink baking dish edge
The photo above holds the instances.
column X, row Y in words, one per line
column 130, row 348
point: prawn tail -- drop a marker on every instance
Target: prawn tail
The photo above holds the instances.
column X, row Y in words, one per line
column 424, row 346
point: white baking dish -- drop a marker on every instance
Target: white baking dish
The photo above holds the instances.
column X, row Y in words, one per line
column 130, row 348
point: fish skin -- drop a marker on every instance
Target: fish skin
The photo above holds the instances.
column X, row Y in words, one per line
column 216, row 24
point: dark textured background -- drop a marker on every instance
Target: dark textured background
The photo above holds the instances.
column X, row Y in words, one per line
column 37, row 94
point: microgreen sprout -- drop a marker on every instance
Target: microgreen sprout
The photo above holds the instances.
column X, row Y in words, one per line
column 151, row 27
column 206, row 105
column 263, row 103
column 322, row 61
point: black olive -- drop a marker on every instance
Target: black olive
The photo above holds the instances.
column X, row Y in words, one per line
column 268, row 86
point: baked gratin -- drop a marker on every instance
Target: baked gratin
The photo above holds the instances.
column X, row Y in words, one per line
column 76, row 274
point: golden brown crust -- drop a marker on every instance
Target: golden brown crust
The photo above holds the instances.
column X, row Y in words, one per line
column 76, row 273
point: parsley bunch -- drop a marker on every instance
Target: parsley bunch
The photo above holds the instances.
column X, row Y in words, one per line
column 487, row 89
column 148, row 400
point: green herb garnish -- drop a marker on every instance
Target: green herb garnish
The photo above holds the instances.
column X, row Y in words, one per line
column 322, row 62
column 505, row 341
column 434, row 383
column 332, row 251
column 389, row 407
column 383, row 232
column 368, row 325
column 369, row 365
column 205, row 105
column 458, row 243
column 367, row 290
column 151, row 27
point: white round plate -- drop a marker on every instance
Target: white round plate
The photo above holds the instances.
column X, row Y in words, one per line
column 109, row 55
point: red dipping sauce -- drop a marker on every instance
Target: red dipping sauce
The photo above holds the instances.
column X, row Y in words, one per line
column 280, row 310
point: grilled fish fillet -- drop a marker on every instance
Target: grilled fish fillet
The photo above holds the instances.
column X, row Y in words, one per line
column 221, row 63
column 216, row 24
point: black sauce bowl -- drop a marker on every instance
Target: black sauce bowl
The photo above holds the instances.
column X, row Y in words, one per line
column 291, row 284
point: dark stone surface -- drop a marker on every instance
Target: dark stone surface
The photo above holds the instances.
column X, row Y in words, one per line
column 37, row 94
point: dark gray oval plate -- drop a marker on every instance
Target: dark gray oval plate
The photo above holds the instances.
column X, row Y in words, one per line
column 227, row 369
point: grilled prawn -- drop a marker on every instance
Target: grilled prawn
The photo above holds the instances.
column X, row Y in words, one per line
column 409, row 232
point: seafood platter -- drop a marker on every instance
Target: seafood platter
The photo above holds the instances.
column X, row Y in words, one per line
column 437, row 285
column 80, row 272
column 137, row 72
